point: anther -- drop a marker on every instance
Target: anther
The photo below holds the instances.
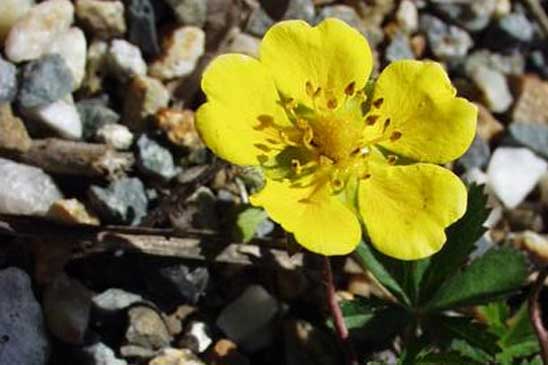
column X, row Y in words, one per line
column 309, row 88
column 332, row 103
column 386, row 124
column 296, row 166
column 366, row 176
column 395, row 136
column 378, row 103
column 325, row 161
column 371, row 119
column 337, row 184
column 308, row 136
column 349, row 90
column 392, row 159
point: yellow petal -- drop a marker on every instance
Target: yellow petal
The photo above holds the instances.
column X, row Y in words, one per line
column 405, row 209
column 330, row 55
column 239, row 91
column 420, row 102
column 320, row 221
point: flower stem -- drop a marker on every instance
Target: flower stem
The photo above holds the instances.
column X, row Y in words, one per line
column 337, row 316
column 535, row 314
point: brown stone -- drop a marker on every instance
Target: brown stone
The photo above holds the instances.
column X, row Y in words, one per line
column 488, row 126
column 225, row 352
column 531, row 95
column 418, row 45
column 13, row 134
column 71, row 211
column 179, row 127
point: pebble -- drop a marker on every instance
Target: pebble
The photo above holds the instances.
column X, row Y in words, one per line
column 61, row 116
column 509, row 64
column 67, row 305
column 300, row 9
column 246, row 319
column 145, row 96
column 97, row 66
column 137, row 352
column 72, row 211
column 153, row 159
column 184, row 48
column 178, row 284
column 32, row 33
column 72, row 47
column 447, row 42
column 179, row 126
column 26, row 190
column 142, row 26
column 407, row 16
column 513, row 173
column 114, row 299
column 514, row 27
column 23, row 336
column 101, row 354
column 494, row 88
column 535, row 244
column 199, row 211
column 123, row 201
column 13, row 133
column 524, row 218
column 477, row 155
column 146, row 328
column 304, row 343
column 225, row 352
column 532, row 135
column 258, row 22
column 473, row 16
column 11, row 11
column 125, row 60
column 488, row 126
column 115, row 135
column 174, row 321
column 399, row 48
column 45, row 81
column 245, row 44
column 197, row 337
column 104, row 19
column 95, row 114
column 189, row 12
column 8, row 81
column 530, row 105
column 171, row 356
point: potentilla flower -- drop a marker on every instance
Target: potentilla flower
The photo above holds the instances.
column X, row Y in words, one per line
column 341, row 159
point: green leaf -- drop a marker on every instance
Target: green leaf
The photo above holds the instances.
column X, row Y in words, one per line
column 519, row 330
column 359, row 311
column 492, row 276
column 521, row 350
column 248, row 221
column 469, row 351
column 461, row 238
column 447, row 358
column 372, row 260
column 463, row 328
column 495, row 314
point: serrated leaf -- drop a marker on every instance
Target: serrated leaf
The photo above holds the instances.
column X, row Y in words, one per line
column 446, row 358
column 490, row 277
column 248, row 221
column 463, row 328
column 495, row 314
column 519, row 329
column 521, row 350
column 461, row 238
column 359, row 311
column 465, row 349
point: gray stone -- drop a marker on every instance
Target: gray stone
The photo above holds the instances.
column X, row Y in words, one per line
column 199, row 211
column 67, row 305
column 189, row 12
column 477, row 155
column 123, row 201
column 71, row 45
column 532, row 135
column 473, row 16
column 447, row 42
column 197, row 337
column 508, row 64
column 60, row 116
column 300, row 9
column 494, row 87
column 147, row 328
column 101, row 354
column 178, row 284
column 112, row 300
column 45, row 81
column 25, row 189
column 8, row 81
column 516, row 27
column 142, row 26
column 23, row 337
column 258, row 22
column 399, row 48
column 115, row 135
column 154, row 159
column 124, row 60
column 94, row 114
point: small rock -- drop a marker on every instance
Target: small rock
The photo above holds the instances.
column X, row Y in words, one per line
column 67, row 305
column 488, row 126
column 177, row 284
column 124, row 201
column 247, row 318
column 225, row 352
column 13, row 134
column 26, row 190
column 514, row 28
column 258, row 22
column 146, row 95
column 179, row 126
column 197, row 337
column 494, row 88
column 477, row 155
column 300, row 9
column 407, row 16
column 199, row 211
column 176, row 357
column 115, row 135
column 174, row 321
column 524, row 218
column 137, row 352
column 94, row 115
column 473, row 16
column 399, row 48
column 125, row 60
column 101, row 354
column 513, row 173
column 104, row 19
column 71, row 211
column 32, row 33
column 61, row 116
column 447, row 42
column 45, row 81
column 154, row 159
column 72, row 47
column 307, row 345
column 96, row 67
column 142, row 26
column 530, row 105
column 532, row 135
column 8, row 81
column 146, row 328
column 510, row 64
column 189, row 12
column 184, row 47
column 11, row 11
column 244, row 43
column 535, row 244
column 23, row 337
column 112, row 300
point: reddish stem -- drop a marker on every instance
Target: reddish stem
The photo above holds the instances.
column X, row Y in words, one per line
column 535, row 314
column 337, row 316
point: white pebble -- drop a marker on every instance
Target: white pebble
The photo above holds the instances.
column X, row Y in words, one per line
column 72, row 46
column 126, row 60
column 61, row 116
column 116, row 135
column 10, row 11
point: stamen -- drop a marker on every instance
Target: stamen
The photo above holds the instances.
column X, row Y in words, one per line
column 332, row 103
column 296, row 166
column 325, row 161
column 386, row 124
column 337, row 184
column 308, row 136
column 349, row 90
column 378, row 103
column 366, row 176
column 392, row 159
column 309, row 88
column 395, row 136
column 286, row 140
column 371, row 119
column 317, row 92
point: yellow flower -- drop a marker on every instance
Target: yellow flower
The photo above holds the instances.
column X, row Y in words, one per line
column 336, row 156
